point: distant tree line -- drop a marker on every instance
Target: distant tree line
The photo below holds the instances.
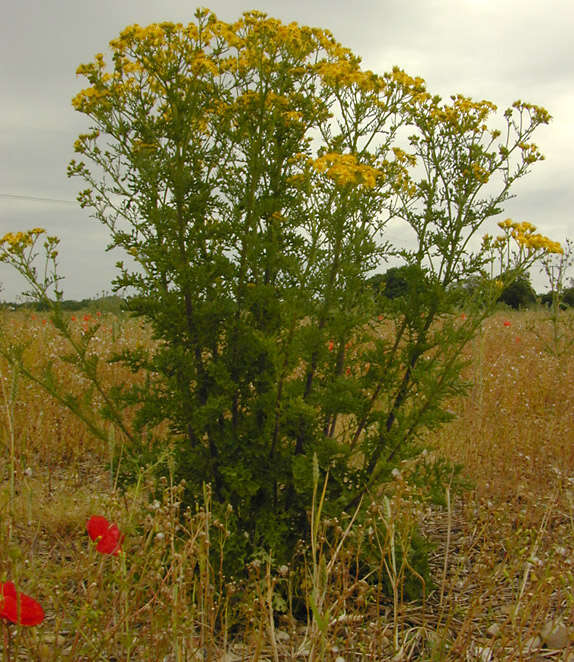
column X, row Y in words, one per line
column 393, row 283
column 105, row 304
column 519, row 294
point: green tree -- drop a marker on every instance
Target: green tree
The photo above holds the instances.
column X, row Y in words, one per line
column 400, row 280
column 250, row 169
column 519, row 293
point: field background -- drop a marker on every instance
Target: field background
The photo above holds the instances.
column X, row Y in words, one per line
column 502, row 560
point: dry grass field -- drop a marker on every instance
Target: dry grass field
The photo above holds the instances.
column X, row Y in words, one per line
column 502, row 560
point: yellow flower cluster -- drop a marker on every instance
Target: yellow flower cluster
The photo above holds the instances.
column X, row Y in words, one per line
column 463, row 114
column 530, row 152
column 403, row 158
column 478, row 173
column 25, row 238
column 346, row 73
column 246, row 36
column 526, row 237
column 292, row 116
column 201, row 64
column 157, row 55
column 83, row 139
column 402, row 78
column 15, row 242
column 161, row 56
column 161, row 61
column 153, row 35
column 539, row 114
column 540, row 242
column 228, row 34
column 88, row 98
column 344, row 169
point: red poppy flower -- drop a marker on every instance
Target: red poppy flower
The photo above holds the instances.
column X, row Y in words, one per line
column 506, row 323
column 19, row 608
column 107, row 535
column 331, row 345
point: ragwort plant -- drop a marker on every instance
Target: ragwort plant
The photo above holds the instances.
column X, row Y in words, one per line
column 556, row 268
column 248, row 171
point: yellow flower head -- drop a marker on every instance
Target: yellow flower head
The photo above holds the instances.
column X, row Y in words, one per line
column 344, row 169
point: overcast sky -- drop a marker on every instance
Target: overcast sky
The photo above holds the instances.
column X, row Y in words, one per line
column 501, row 50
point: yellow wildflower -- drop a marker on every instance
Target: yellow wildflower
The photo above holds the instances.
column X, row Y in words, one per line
column 507, row 223
column 344, row 169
